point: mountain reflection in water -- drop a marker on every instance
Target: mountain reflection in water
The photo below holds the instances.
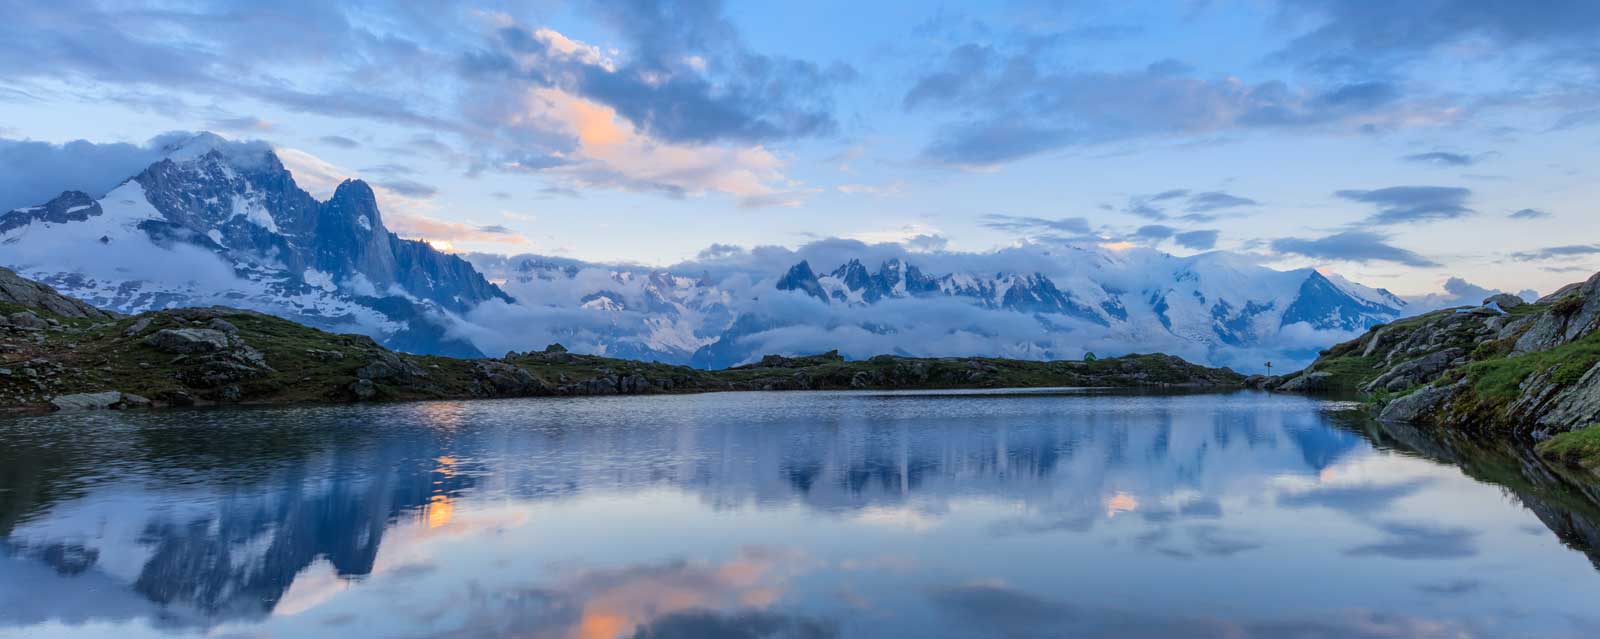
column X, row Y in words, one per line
column 787, row 515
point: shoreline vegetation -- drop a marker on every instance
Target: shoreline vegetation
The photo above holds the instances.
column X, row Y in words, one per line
column 57, row 353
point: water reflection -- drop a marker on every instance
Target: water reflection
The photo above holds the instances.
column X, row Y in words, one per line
column 785, row 515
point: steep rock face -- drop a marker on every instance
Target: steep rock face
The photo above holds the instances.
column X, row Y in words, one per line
column 1322, row 303
column 1531, row 369
column 801, row 278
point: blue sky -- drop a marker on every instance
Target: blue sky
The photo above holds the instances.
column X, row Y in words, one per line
column 1398, row 143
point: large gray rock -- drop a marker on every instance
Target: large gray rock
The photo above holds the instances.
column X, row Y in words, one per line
column 1416, row 407
column 1576, row 406
column 389, row 366
column 1414, row 372
column 1574, row 314
column 87, row 401
column 188, row 341
column 507, row 379
column 25, row 292
column 25, row 319
column 1505, row 301
column 1307, row 382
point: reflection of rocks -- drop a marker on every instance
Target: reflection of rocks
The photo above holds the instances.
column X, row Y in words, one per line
column 1570, row 509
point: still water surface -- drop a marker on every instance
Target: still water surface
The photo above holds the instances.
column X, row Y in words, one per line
column 793, row 515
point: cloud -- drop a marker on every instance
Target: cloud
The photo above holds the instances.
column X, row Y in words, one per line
column 1155, row 232
column 719, row 251
column 1528, row 214
column 1198, row 240
column 927, row 243
column 35, row 172
column 340, row 141
column 1356, row 499
column 243, row 123
column 1022, row 223
column 1458, row 292
column 751, row 624
column 1351, row 246
column 409, row 188
column 1440, row 158
column 681, row 78
column 1199, row 206
column 1008, row 106
column 1420, row 541
column 1569, row 251
column 1353, row 28
column 1214, row 200
column 446, row 234
column 1405, row 204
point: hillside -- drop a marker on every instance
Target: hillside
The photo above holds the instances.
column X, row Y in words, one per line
column 57, row 352
column 1505, row 367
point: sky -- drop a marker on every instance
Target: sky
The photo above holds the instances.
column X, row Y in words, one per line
column 1400, row 144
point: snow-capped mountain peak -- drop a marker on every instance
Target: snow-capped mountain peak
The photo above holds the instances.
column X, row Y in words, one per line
column 222, row 222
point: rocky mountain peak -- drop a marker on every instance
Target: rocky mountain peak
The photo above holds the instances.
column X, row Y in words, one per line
column 801, row 278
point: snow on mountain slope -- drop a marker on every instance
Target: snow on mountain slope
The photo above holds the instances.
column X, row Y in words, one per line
column 1218, row 308
column 218, row 222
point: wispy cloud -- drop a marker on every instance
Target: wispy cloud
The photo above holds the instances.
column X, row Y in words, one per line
column 1351, row 246
column 1406, row 204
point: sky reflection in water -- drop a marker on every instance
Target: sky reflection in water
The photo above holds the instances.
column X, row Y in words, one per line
column 785, row 515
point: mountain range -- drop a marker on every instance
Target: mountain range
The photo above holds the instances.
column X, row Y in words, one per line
column 218, row 222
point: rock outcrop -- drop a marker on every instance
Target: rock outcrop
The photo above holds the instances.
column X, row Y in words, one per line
column 22, row 291
column 1505, row 366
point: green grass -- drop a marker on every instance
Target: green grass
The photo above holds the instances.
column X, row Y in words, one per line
column 1350, row 372
column 1578, row 447
column 1498, row 381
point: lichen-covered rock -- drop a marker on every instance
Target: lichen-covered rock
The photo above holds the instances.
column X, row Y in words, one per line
column 188, row 341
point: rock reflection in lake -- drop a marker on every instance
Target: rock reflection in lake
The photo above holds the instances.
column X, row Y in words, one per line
column 787, row 515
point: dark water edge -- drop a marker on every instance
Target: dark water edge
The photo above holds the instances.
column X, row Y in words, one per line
column 329, row 485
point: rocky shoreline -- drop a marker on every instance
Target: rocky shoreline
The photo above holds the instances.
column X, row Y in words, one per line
column 1528, row 370
column 57, row 353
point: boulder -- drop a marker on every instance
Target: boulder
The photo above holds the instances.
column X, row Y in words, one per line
column 86, row 401
column 1417, row 371
column 26, row 319
column 1505, row 301
column 1307, row 382
column 506, row 379
column 138, row 326
column 1418, row 406
column 219, row 324
column 1576, row 405
column 389, row 366
column 188, row 341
